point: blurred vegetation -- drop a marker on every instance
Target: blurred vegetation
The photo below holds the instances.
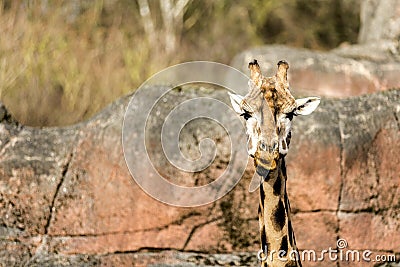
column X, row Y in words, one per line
column 62, row 61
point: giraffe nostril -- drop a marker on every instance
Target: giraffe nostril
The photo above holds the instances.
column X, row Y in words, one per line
column 275, row 145
column 284, row 144
column 263, row 146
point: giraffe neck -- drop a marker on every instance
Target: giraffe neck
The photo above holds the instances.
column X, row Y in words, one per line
column 277, row 236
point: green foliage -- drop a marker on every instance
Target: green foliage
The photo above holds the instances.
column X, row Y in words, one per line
column 62, row 61
column 316, row 24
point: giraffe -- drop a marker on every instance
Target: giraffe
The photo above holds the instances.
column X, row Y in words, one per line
column 269, row 109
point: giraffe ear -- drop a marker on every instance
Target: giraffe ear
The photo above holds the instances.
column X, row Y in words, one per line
column 306, row 106
column 236, row 101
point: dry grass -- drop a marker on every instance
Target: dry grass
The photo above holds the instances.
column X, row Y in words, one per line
column 57, row 72
column 62, row 61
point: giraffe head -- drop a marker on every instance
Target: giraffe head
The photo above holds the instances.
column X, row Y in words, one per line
column 269, row 109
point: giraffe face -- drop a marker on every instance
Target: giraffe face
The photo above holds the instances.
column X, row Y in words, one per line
column 269, row 109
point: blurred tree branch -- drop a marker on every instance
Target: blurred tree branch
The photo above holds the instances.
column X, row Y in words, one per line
column 147, row 21
column 170, row 30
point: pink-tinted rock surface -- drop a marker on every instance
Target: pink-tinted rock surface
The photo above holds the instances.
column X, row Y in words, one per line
column 67, row 197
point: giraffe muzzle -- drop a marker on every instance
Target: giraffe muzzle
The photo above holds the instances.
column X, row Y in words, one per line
column 265, row 161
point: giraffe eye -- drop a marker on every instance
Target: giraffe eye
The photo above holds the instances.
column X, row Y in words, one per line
column 246, row 115
column 290, row 115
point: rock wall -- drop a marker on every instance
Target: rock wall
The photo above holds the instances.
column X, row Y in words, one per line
column 67, row 198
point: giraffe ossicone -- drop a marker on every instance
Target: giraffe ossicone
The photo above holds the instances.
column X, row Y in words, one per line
column 269, row 108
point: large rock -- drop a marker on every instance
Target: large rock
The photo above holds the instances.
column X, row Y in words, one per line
column 343, row 72
column 67, row 197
